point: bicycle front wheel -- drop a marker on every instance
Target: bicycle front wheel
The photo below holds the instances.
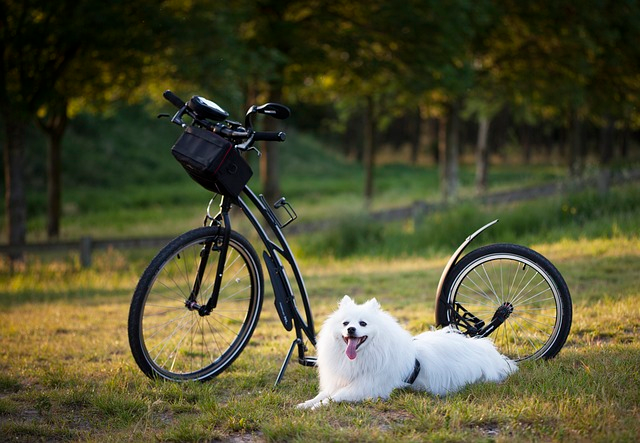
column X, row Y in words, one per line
column 510, row 278
column 171, row 340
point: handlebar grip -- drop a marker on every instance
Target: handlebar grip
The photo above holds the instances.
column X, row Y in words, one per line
column 173, row 99
column 270, row 136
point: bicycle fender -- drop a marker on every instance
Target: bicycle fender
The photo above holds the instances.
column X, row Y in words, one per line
column 454, row 259
column 282, row 296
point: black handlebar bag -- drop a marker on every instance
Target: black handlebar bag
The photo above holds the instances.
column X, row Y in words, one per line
column 212, row 161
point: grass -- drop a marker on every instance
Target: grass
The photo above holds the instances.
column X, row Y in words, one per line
column 585, row 214
column 67, row 374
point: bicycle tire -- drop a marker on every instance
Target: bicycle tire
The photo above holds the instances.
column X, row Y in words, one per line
column 493, row 275
column 168, row 340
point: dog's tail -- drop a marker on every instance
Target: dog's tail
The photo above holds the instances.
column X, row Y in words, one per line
column 512, row 365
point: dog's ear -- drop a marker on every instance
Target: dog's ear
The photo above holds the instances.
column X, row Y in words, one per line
column 373, row 303
column 346, row 301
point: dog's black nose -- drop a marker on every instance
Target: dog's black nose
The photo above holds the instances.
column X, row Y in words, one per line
column 351, row 330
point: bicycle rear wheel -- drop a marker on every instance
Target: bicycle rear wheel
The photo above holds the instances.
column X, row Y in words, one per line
column 504, row 277
column 171, row 341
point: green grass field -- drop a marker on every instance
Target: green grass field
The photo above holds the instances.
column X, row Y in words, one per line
column 67, row 374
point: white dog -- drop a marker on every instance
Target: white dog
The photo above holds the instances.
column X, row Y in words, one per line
column 364, row 353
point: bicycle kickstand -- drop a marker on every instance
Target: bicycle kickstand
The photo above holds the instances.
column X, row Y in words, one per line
column 298, row 342
column 302, row 358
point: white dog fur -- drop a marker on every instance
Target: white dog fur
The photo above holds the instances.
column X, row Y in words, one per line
column 363, row 353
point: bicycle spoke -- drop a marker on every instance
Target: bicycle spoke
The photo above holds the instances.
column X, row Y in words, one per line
column 176, row 340
column 167, row 339
column 489, row 281
column 522, row 293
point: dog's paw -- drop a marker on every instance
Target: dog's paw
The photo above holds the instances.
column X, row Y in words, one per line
column 309, row 404
column 324, row 402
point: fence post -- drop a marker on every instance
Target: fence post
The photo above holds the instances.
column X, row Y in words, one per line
column 85, row 252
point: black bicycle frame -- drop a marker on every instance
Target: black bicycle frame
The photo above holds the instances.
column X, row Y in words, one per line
column 274, row 252
column 285, row 301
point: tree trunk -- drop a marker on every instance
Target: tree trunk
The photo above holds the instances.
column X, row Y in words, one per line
column 416, row 139
column 525, row 141
column 575, row 146
column 482, row 155
column 449, row 146
column 15, row 189
column 624, row 143
column 369, row 150
column 605, row 148
column 269, row 163
column 54, row 126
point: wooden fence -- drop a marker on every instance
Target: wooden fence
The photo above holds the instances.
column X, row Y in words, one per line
column 85, row 246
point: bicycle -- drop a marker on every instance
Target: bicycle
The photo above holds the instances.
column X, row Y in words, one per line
column 198, row 302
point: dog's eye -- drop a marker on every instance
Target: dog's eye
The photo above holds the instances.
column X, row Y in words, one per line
column 363, row 323
column 345, row 323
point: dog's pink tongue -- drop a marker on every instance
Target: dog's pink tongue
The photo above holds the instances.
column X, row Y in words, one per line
column 352, row 344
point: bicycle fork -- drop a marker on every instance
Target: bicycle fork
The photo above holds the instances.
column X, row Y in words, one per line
column 223, row 247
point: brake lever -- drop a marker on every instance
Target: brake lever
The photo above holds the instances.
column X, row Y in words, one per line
column 248, row 146
column 253, row 148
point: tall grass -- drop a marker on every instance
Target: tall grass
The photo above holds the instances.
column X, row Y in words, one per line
column 586, row 214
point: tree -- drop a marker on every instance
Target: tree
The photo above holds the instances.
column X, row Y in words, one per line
column 566, row 62
column 54, row 123
column 33, row 57
column 443, row 69
column 53, row 52
column 379, row 60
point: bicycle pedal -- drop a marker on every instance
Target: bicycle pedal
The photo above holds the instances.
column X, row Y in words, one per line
column 281, row 203
column 308, row 361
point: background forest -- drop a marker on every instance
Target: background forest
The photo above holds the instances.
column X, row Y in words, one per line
column 413, row 124
column 420, row 82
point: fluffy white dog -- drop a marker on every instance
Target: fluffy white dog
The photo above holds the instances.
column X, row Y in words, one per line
column 364, row 353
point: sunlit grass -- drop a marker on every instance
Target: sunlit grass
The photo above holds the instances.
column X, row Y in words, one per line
column 67, row 373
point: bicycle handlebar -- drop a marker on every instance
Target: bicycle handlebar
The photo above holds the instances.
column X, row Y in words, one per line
column 173, row 99
column 269, row 136
column 231, row 130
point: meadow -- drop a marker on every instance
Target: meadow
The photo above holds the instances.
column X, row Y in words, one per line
column 66, row 372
